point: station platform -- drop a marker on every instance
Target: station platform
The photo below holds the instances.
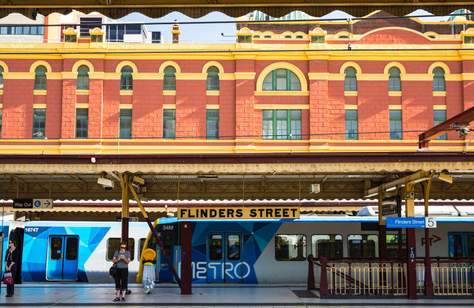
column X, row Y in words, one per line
column 101, row 295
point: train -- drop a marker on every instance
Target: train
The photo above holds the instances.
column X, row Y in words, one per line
column 267, row 251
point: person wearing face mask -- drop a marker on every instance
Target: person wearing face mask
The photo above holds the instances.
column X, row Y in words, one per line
column 121, row 260
column 11, row 260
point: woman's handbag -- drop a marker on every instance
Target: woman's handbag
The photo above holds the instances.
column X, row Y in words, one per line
column 7, row 278
column 113, row 270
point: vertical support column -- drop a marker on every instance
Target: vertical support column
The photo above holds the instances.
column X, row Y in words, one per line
column 125, row 207
column 428, row 276
column 411, row 241
column 382, row 230
column 186, row 275
column 323, row 279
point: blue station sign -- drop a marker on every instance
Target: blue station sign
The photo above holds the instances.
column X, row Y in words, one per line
column 406, row 222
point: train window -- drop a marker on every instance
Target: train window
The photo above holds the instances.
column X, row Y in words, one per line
column 461, row 244
column 363, row 245
column 141, row 243
column 72, row 245
column 395, row 245
column 327, row 245
column 113, row 245
column 290, row 247
column 215, row 247
column 233, row 247
column 56, row 248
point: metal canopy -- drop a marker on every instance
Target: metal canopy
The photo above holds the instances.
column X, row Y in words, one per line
column 180, row 177
column 235, row 8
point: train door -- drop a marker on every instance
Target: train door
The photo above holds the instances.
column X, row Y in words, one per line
column 224, row 257
column 62, row 259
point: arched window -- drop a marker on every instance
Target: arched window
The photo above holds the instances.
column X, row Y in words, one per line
column 1, row 77
column 126, row 79
column 83, row 78
column 394, row 81
column 439, row 83
column 350, row 79
column 281, row 80
column 40, row 78
column 169, row 82
column 212, row 78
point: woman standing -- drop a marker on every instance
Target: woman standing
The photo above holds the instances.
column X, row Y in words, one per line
column 10, row 266
column 121, row 260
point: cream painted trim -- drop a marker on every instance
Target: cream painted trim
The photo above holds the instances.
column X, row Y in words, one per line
column 225, row 76
column 119, row 67
column 39, row 106
column 467, row 76
column 111, row 76
column 398, row 65
column 147, row 76
column 125, row 106
column 439, row 93
column 395, row 107
column 244, row 75
column 169, row 92
column 82, row 92
column 212, row 106
column 443, row 65
column 1, row 106
column 4, row 66
column 82, row 105
column 282, row 65
column 40, row 92
column 165, row 64
column 79, row 63
column 394, row 93
column 191, row 76
column 126, row 92
column 344, row 66
column 439, row 107
column 212, row 63
column 169, row 106
column 39, row 63
column 18, row 75
column 320, row 76
column 281, row 106
column 350, row 107
column 372, row 77
column 281, row 93
column 213, row 92
column 1, row 91
column 350, row 93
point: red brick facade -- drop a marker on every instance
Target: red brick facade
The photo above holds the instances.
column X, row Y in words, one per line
column 240, row 104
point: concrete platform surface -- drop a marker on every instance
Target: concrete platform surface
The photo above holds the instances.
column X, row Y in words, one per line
column 101, row 295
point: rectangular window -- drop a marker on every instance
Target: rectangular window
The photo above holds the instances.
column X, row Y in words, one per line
column 82, row 122
column 72, row 247
column 88, row 23
column 125, row 123
column 215, row 247
column 212, row 123
column 290, row 247
column 327, row 245
column 113, row 245
column 39, row 121
column 56, row 248
column 440, row 117
column 396, row 125
column 395, row 245
column 169, row 123
column 461, row 244
column 281, row 124
column 233, row 247
column 363, row 245
column 351, row 125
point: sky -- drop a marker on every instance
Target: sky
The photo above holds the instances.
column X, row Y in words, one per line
column 218, row 33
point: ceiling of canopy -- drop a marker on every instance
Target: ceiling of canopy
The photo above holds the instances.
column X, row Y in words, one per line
column 235, row 8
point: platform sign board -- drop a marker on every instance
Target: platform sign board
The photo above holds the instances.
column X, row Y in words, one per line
column 32, row 203
column 239, row 213
column 410, row 222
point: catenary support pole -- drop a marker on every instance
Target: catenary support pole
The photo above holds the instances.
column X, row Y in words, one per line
column 186, row 274
column 411, row 241
column 428, row 275
column 125, row 206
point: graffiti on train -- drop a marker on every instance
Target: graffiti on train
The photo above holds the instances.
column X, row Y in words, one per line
column 219, row 270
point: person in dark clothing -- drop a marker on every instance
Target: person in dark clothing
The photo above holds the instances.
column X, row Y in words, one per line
column 121, row 259
column 11, row 261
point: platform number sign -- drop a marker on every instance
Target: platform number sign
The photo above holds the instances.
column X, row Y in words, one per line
column 430, row 222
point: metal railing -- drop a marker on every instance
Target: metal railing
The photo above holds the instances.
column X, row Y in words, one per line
column 388, row 277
